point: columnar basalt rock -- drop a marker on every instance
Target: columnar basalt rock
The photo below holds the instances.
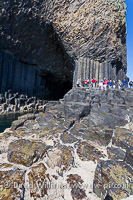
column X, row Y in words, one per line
column 54, row 34
column 74, row 154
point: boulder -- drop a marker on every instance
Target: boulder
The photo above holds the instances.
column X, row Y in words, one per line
column 77, row 191
column 60, row 157
column 98, row 135
column 116, row 153
column 12, row 184
column 68, row 138
column 39, row 181
column 76, row 110
column 87, row 151
column 114, row 178
column 123, row 138
column 18, row 123
column 106, row 119
column 26, row 152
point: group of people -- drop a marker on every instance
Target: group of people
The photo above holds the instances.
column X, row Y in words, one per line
column 105, row 83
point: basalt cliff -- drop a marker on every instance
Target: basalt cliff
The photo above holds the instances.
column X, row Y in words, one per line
column 79, row 147
column 43, row 42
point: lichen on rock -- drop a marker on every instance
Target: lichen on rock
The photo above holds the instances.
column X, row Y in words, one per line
column 26, row 152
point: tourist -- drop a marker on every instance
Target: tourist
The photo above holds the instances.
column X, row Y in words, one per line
column 82, row 83
column 110, row 84
column 126, row 81
column 114, row 84
column 78, row 83
column 86, row 83
column 101, row 85
column 94, row 81
column 119, row 84
column 131, row 84
column 105, row 83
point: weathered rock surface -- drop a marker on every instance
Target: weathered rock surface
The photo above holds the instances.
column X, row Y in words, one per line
column 124, row 139
column 38, row 179
column 60, row 157
column 25, row 152
column 113, row 177
column 20, row 103
column 77, row 192
column 12, row 184
column 86, row 151
column 96, row 29
column 63, row 156
column 116, row 153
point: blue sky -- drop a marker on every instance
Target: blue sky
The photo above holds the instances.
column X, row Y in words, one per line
column 130, row 38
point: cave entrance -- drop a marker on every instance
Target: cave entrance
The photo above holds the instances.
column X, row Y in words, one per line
column 55, row 88
column 57, row 71
column 41, row 67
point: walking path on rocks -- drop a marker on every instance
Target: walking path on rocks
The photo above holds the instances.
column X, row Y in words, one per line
column 80, row 148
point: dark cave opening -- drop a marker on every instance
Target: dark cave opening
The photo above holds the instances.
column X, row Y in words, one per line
column 57, row 72
column 56, row 88
column 50, row 77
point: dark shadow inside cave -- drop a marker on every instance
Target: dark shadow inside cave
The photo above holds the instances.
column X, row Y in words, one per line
column 57, row 72
column 56, row 88
column 50, row 78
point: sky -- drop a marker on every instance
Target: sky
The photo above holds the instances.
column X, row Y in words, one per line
column 130, row 38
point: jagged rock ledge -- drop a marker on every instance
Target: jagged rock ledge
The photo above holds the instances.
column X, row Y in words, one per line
column 80, row 148
column 13, row 103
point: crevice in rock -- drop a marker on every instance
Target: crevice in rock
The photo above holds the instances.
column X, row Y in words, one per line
column 108, row 197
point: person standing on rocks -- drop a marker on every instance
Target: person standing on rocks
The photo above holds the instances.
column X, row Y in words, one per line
column 114, row 84
column 86, row 83
column 131, row 84
column 82, row 83
column 105, row 83
column 101, row 85
column 110, row 84
column 119, row 84
column 94, row 81
column 126, row 81
column 78, row 83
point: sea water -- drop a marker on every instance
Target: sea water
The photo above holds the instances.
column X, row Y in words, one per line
column 6, row 120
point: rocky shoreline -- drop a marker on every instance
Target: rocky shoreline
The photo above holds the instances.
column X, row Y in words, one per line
column 79, row 148
column 19, row 103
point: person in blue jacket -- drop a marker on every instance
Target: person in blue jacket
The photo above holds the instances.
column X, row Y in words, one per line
column 110, row 84
column 124, row 83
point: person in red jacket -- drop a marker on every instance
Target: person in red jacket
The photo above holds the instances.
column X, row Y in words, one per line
column 105, row 83
column 94, row 82
column 86, row 83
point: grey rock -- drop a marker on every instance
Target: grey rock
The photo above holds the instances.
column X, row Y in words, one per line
column 116, row 153
column 110, row 174
column 33, row 151
column 68, row 138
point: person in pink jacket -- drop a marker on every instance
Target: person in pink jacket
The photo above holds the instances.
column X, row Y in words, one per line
column 105, row 83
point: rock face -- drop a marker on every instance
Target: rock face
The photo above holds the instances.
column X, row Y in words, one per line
column 15, row 102
column 12, row 182
column 49, row 37
column 25, row 152
column 59, row 155
column 113, row 177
